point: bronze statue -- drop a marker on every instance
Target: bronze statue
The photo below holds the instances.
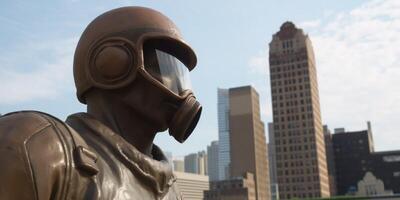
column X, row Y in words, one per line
column 128, row 70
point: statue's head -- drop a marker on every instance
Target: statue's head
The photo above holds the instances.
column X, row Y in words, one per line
column 137, row 56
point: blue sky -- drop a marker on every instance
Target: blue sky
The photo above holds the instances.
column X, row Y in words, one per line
column 356, row 45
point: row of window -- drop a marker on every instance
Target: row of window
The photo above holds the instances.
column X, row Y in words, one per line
column 287, row 82
column 291, row 103
column 291, row 74
column 293, row 125
column 301, row 56
column 289, row 111
column 294, row 140
column 290, row 89
column 292, row 110
column 297, row 168
column 290, row 67
column 295, row 148
column 295, row 155
column 291, row 118
column 287, row 96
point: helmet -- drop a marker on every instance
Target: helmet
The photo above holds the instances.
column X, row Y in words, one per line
column 110, row 50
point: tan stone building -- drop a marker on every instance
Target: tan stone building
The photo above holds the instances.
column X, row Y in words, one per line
column 248, row 150
column 192, row 186
column 299, row 140
column 239, row 188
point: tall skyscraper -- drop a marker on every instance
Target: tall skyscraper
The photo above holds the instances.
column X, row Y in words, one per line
column 248, row 149
column 299, row 140
column 212, row 156
column 242, row 144
column 223, row 134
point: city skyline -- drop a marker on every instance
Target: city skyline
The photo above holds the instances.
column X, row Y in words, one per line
column 40, row 46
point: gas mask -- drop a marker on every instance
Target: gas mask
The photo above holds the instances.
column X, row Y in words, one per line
column 167, row 73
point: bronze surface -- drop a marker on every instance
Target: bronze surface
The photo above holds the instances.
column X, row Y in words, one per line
column 108, row 152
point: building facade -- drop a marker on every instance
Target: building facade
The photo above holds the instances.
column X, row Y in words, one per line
column 355, row 157
column 351, row 151
column 239, row 188
column 248, row 149
column 191, row 162
column 223, row 134
column 212, row 163
column 330, row 160
column 192, row 186
column 179, row 165
column 299, row 140
column 371, row 186
column 196, row 163
column 203, row 163
column 242, row 144
column 272, row 163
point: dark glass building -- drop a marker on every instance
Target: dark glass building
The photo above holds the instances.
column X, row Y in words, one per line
column 354, row 156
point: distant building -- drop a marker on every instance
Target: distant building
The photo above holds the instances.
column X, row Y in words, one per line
column 330, row 160
column 196, row 163
column 203, row 163
column 223, row 134
column 248, row 149
column 179, row 165
column 242, row 143
column 385, row 165
column 299, row 144
column 272, row 163
column 355, row 156
column 212, row 156
column 339, row 130
column 371, row 186
column 240, row 188
column 192, row 186
column 192, row 163
column 351, row 152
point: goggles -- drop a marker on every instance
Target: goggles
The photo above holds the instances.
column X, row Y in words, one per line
column 168, row 70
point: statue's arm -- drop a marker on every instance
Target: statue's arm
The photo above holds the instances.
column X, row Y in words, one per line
column 32, row 158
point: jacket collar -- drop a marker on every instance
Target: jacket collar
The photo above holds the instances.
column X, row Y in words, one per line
column 155, row 172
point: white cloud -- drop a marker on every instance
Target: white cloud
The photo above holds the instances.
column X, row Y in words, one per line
column 259, row 64
column 310, row 24
column 358, row 66
column 36, row 71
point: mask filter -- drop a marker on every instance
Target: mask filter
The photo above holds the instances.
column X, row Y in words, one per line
column 185, row 119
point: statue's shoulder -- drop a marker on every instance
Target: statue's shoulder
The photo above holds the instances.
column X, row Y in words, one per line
column 18, row 128
column 34, row 152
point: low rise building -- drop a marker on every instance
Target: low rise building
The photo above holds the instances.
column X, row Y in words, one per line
column 239, row 188
column 192, row 186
